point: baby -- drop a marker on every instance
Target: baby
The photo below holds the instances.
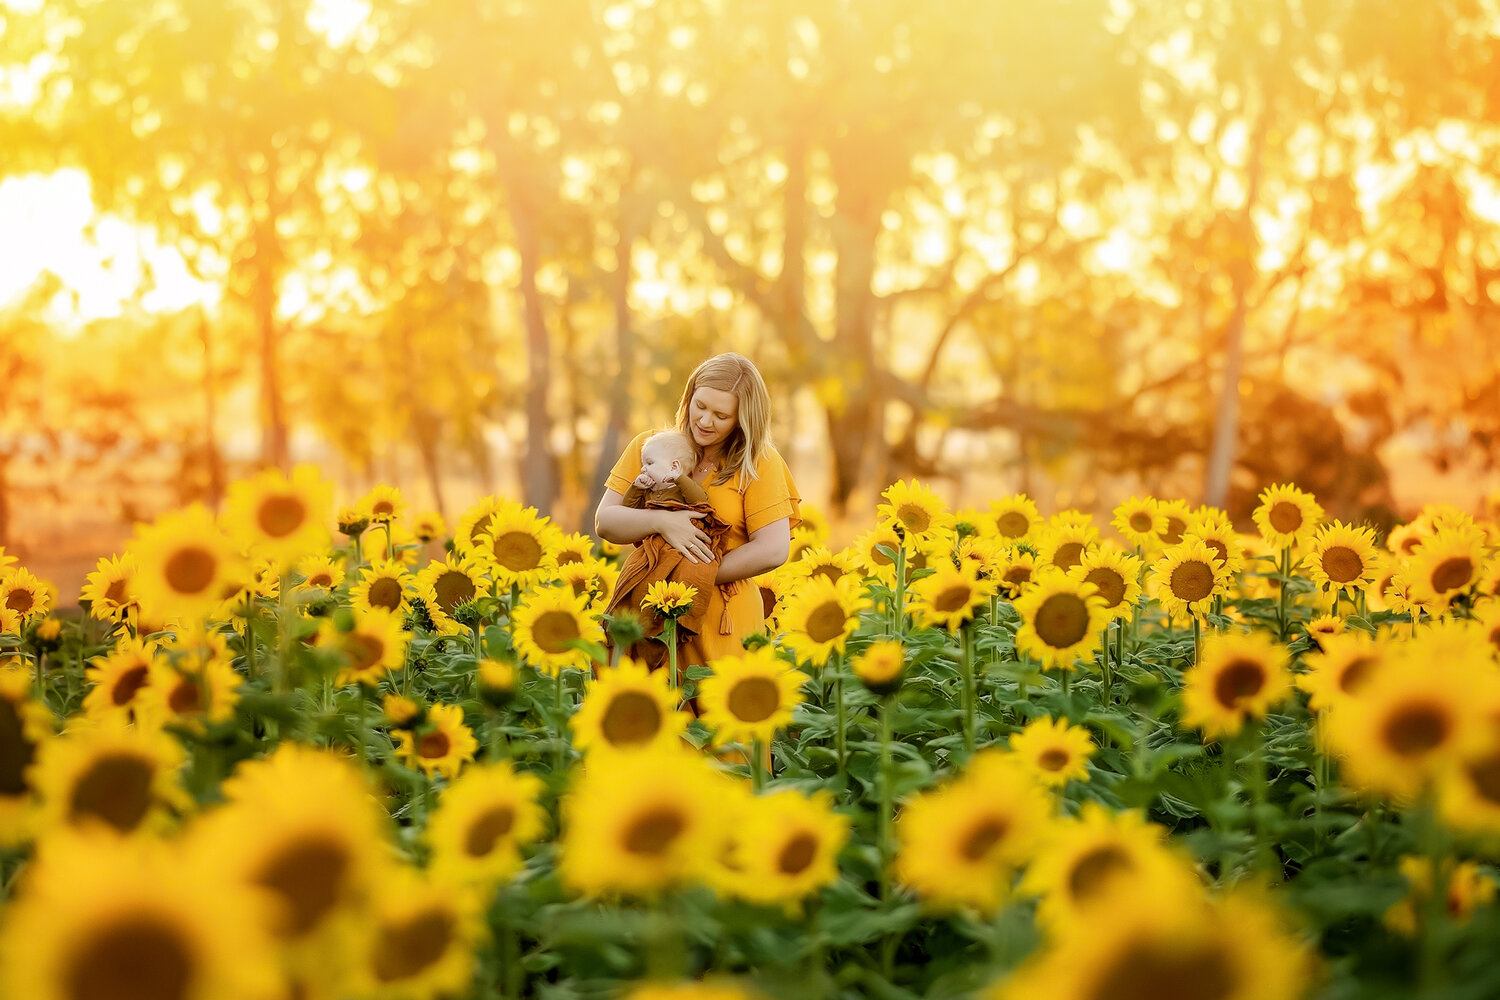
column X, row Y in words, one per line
column 665, row 460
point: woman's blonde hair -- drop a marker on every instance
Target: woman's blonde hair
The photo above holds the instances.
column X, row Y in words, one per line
column 751, row 437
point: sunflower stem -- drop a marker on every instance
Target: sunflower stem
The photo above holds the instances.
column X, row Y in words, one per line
column 283, row 633
column 1433, row 908
column 966, row 633
column 1197, row 640
column 838, row 702
column 557, row 764
column 250, row 639
column 1106, row 675
column 898, row 600
column 390, row 548
column 669, row 629
column 1286, row 569
column 1258, row 791
column 364, row 722
column 757, row 771
column 887, row 795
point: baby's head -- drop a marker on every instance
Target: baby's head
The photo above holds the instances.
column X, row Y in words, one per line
column 667, row 455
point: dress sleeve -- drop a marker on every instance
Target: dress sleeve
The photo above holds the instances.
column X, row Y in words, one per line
column 628, row 467
column 773, row 494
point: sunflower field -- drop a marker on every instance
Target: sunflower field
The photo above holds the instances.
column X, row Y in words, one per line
column 301, row 751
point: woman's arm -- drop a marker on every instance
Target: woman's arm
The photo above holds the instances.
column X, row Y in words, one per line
column 615, row 522
column 767, row 549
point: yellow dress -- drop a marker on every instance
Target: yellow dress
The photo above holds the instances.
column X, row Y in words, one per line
column 770, row 497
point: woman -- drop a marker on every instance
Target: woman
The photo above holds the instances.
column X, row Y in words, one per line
column 726, row 412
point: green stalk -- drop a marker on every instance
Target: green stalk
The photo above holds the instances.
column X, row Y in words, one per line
column 669, row 629
column 899, row 600
column 1197, row 640
column 966, row 635
column 757, row 772
column 838, row 702
column 390, row 548
column 1432, row 915
column 1106, row 672
column 557, row 764
column 887, row 796
column 1286, row 570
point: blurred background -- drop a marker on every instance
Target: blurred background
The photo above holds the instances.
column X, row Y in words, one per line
column 1078, row 248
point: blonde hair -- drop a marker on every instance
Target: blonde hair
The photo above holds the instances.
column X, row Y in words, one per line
column 751, row 437
column 677, row 444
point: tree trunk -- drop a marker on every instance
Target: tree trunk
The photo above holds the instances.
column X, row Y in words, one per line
column 273, row 442
column 538, row 488
column 4, row 499
column 853, row 421
column 211, row 452
column 617, row 420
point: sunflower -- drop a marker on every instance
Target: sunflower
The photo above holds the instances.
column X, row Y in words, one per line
column 278, row 517
column 7, row 563
column 950, row 596
column 445, row 585
column 374, row 646
column 875, row 562
column 709, row 988
column 1286, row 516
column 820, row 618
column 639, row 824
column 483, row 819
column 881, row 666
column 1405, row 539
column 428, row 525
column 384, row 504
column 1115, row 573
column 1413, row 720
column 110, row 775
column 669, row 598
column 402, row 712
column 319, row 573
column 417, row 939
column 116, row 679
column 1053, row 751
column 1139, row 520
column 10, row 622
column 1061, row 619
column 573, row 548
column 1467, row 888
column 628, row 708
column 786, row 847
column 25, row 594
column 913, row 511
column 25, row 724
column 1324, row 627
column 1239, row 677
column 987, row 554
column 1342, row 557
column 402, row 546
column 1213, row 527
column 1340, row 671
column 384, row 585
column 1447, row 564
column 1177, row 514
column 961, row 842
column 1469, row 792
column 592, row 580
column 496, row 680
column 1186, row 578
column 184, row 562
column 519, row 548
column 191, row 682
column 1100, row 856
column 749, row 697
column 1170, row 940
column 820, row 561
column 1487, row 616
column 443, row 745
column 101, row 916
column 1015, row 572
column 109, row 588
column 475, row 521
column 1015, row 517
column 1063, row 543
column 548, row 619
column 302, row 829
column 804, row 540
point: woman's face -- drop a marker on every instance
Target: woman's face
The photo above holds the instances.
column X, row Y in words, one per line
column 713, row 415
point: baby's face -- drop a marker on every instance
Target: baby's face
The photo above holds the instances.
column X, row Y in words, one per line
column 656, row 463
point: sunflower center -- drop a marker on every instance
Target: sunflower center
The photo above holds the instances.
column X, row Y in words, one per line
column 452, row 589
column 1067, row 555
column 20, row 601
column 480, row 527
column 1484, row 774
column 364, row 651
column 1012, row 524
column 954, row 598
column 1151, row 971
column 1417, row 728
column 1356, row 673
column 1452, row 573
column 880, row 558
column 754, row 699
column 1238, row 680
column 1140, row 521
column 185, row 696
column 632, row 717
column 653, row 832
column 1053, row 759
column 1342, row 564
column 1175, row 527
column 1017, row 575
column 827, row 622
column 1221, row 550
column 16, row 751
column 134, row 957
column 829, row 572
column 190, row 570
column 982, row 837
column 381, row 507
column 116, row 592
column 1192, row 581
column 116, row 788
column 320, row 579
column 308, row 874
column 797, row 854
column 914, row 517
column 517, row 551
column 405, row 949
column 1285, row 517
column 1110, row 583
column 385, row 592
column 1092, row 870
column 128, row 683
column 434, row 745
column 1062, row 620
column 279, row 516
column 487, row 830
column 553, row 628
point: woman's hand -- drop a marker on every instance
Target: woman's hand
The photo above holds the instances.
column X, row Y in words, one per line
column 679, row 529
